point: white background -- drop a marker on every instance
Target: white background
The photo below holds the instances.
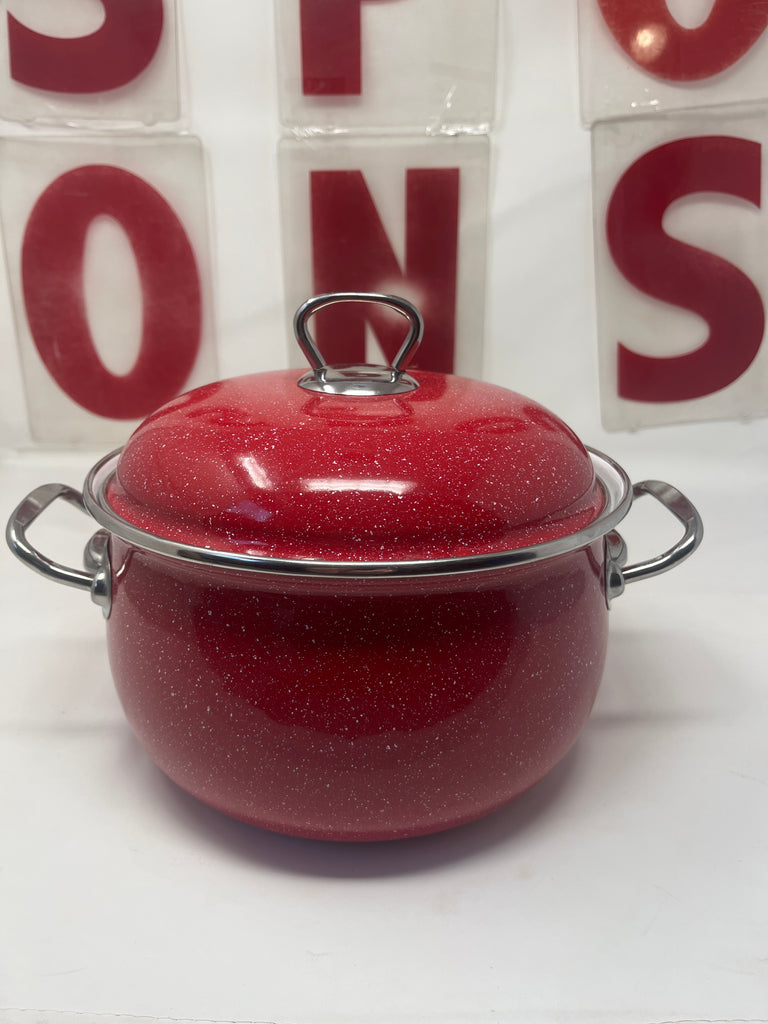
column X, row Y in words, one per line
column 630, row 887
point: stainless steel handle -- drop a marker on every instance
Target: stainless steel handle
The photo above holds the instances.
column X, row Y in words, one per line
column 358, row 380
column 618, row 574
column 96, row 578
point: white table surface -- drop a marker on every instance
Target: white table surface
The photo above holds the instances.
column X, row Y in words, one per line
column 630, row 887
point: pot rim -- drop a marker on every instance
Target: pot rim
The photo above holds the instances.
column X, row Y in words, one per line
column 612, row 478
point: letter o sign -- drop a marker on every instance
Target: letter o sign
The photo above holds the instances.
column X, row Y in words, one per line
column 656, row 42
column 52, row 259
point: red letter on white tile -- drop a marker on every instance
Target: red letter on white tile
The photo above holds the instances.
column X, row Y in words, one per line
column 106, row 59
column 655, row 41
column 351, row 252
column 331, row 47
column 683, row 275
column 52, row 278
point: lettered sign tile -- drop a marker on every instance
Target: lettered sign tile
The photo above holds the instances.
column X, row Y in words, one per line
column 681, row 236
column 73, row 61
column 429, row 64
column 663, row 55
column 401, row 216
column 108, row 260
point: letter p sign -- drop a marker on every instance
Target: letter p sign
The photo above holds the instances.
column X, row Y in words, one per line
column 331, row 46
column 387, row 63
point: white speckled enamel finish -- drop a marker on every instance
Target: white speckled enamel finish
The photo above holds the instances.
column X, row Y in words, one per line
column 356, row 708
column 377, row 710
column 259, row 466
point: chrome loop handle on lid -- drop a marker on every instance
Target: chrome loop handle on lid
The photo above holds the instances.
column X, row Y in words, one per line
column 365, row 379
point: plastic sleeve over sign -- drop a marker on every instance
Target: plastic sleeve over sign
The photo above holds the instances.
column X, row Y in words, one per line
column 682, row 281
column 683, row 275
column 643, row 57
column 112, row 63
column 112, row 56
column 364, row 253
column 402, row 216
column 52, row 257
column 654, row 40
column 424, row 64
column 107, row 249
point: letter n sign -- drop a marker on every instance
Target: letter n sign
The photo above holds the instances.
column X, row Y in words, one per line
column 115, row 60
column 402, row 216
column 682, row 279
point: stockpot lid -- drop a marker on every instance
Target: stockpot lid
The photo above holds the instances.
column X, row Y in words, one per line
column 356, row 466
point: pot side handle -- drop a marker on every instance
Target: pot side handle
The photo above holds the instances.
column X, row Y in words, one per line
column 618, row 574
column 98, row 580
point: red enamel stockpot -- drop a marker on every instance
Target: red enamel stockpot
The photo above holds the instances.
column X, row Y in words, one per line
column 357, row 603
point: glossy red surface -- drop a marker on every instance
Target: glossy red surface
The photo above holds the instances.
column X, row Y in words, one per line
column 360, row 710
column 258, row 465
column 356, row 709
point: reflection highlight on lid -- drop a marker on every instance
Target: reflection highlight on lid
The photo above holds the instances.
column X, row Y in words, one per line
column 383, row 486
column 256, row 473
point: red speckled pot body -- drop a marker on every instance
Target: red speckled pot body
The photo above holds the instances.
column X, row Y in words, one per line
column 355, row 604
column 357, row 709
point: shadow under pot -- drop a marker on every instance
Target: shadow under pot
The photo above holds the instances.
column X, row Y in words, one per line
column 357, row 603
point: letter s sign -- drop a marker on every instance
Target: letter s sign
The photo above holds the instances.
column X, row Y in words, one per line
column 683, row 275
column 109, row 58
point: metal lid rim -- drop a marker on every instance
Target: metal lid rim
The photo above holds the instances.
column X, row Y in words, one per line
column 612, row 478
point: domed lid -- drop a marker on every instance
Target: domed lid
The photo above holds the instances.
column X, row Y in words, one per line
column 355, row 464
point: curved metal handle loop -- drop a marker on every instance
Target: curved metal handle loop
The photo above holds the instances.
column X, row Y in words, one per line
column 97, row 581
column 618, row 574
column 402, row 306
